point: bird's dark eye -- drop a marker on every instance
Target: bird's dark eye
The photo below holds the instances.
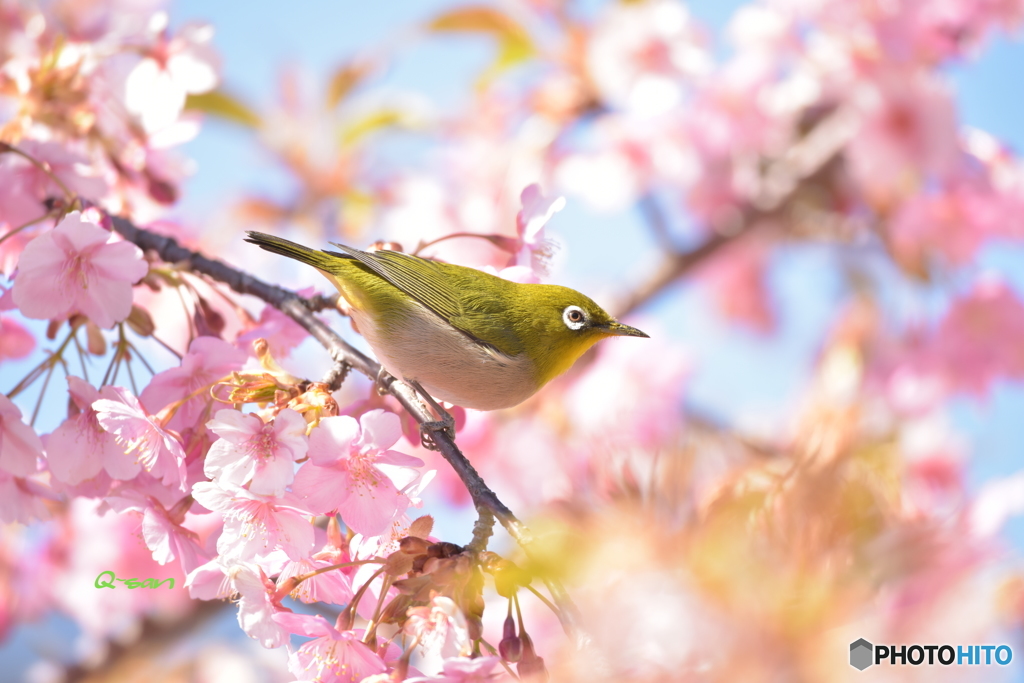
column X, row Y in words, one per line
column 574, row 317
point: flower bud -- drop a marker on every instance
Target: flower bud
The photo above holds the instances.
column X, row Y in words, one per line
column 530, row 666
column 95, row 341
column 421, row 526
column 140, row 322
column 511, row 646
column 412, row 545
column 398, row 563
column 511, row 649
column 444, row 549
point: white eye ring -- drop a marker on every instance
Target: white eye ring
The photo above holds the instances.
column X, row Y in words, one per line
column 574, row 317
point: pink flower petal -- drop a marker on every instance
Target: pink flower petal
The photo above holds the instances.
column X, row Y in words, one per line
column 380, row 429
column 20, row 446
column 321, row 489
column 331, row 439
column 15, row 341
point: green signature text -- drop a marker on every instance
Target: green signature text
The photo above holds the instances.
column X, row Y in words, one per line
column 102, row 582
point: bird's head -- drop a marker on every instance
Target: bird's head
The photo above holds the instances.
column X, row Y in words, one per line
column 561, row 324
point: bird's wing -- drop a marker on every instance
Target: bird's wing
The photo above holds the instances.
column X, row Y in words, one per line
column 454, row 299
column 417, row 277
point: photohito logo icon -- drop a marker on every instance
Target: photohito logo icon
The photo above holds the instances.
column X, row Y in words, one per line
column 861, row 654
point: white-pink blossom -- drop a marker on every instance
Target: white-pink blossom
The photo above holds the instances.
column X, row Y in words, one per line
column 333, row 586
column 249, row 449
column 255, row 524
column 258, row 602
column 440, row 627
column 162, row 529
column 158, row 83
column 258, row 605
column 530, row 221
column 141, row 435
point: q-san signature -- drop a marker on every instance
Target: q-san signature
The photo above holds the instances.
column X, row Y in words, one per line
column 102, row 582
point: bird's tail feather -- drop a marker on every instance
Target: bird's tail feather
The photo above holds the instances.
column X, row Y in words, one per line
column 279, row 245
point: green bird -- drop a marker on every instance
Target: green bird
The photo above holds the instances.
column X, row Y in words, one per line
column 461, row 335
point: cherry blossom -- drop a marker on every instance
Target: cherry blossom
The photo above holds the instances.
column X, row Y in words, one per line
column 909, row 130
column 255, row 524
column 162, row 529
column 24, row 187
column 156, row 85
column 208, row 360
column 440, row 627
column 143, row 436
column 281, row 332
column 332, row 656
column 258, row 605
column 350, row 470
column 212, row 580
column 93, row 275
column 248, row 450
column 952, row 223
column 991, row 311
column 258, row 601
column 79, row 448
column 737, row 283
column 639, row 55
column 332, row 586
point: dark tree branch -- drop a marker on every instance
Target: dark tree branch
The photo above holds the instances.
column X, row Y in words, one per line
column 291, row 304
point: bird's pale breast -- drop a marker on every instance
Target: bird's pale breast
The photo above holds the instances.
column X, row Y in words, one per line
column 418, row 345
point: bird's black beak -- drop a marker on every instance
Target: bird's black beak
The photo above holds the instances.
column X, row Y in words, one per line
column 620, row 330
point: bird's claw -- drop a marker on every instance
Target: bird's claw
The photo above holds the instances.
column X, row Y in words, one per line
column 446, row 424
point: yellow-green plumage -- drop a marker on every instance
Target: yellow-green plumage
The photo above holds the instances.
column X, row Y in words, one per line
column 470, row 338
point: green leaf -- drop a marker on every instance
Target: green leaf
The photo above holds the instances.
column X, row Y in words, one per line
column 222, row 105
